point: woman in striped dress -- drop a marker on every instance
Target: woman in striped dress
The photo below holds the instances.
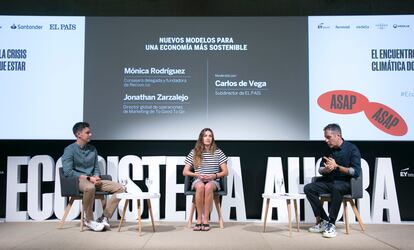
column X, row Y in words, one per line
column 206, row 164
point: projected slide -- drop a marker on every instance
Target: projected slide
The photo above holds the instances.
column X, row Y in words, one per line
column 361, row 72
column 41, row 76
column 247, row 78
column 166, row 78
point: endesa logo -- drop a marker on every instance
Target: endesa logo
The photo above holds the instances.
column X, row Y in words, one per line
column 350, row 102
column 362, row 27
column 62, row 26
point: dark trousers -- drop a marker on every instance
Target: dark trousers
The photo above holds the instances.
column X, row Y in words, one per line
column 337, row 189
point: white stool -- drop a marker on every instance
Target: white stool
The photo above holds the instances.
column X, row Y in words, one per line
column 138, row 197
column 288, row 197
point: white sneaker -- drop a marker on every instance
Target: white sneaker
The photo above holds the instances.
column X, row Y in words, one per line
column 105, row 221
column 93, row 225
column 330, row 231
column 319, row 228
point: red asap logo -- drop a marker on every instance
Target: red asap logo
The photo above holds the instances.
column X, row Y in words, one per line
column 342, row 102
column 350, row 102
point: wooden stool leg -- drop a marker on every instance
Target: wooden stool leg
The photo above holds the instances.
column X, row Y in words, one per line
column 265, row 218
column 67, row 210
column 346, row 216
column 139, row 217
column 123, row 214
column 82, row 215
column 295, row 203
column 289, row 217
column 361, row 224
column 150, row 212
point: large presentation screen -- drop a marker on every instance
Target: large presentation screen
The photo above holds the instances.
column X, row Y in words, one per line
column 361, row 75
column 167, row 78
column 41, row 76
column 247, row 78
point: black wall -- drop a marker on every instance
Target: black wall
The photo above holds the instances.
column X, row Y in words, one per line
column 253, row 156
column 205, row 8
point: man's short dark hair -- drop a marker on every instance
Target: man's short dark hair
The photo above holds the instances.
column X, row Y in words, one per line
column 79, row 126
column 334, row 128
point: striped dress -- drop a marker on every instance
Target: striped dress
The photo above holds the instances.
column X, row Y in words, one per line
column 210, row 164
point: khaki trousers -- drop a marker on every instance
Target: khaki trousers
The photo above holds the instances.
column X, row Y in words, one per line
column 89, row 189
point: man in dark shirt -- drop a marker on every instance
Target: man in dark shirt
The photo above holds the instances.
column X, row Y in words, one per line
column 339, row 165
column 80, row 159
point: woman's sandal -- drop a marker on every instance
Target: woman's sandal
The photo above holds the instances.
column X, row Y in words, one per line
column 197, row 227
column 205, row 227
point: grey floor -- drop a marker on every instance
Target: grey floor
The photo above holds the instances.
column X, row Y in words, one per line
column 174, row 235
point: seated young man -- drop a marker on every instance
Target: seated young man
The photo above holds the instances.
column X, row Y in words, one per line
column 80, row 159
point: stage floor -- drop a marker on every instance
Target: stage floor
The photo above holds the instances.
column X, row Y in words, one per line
column 173, row 235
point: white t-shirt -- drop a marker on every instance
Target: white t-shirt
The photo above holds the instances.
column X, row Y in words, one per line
column 210, row 163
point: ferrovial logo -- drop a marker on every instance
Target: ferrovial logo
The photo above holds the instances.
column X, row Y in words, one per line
column 406, row 173
column 347, row 27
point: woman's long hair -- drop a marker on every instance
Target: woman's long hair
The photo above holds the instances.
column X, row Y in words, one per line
column 199, row 147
